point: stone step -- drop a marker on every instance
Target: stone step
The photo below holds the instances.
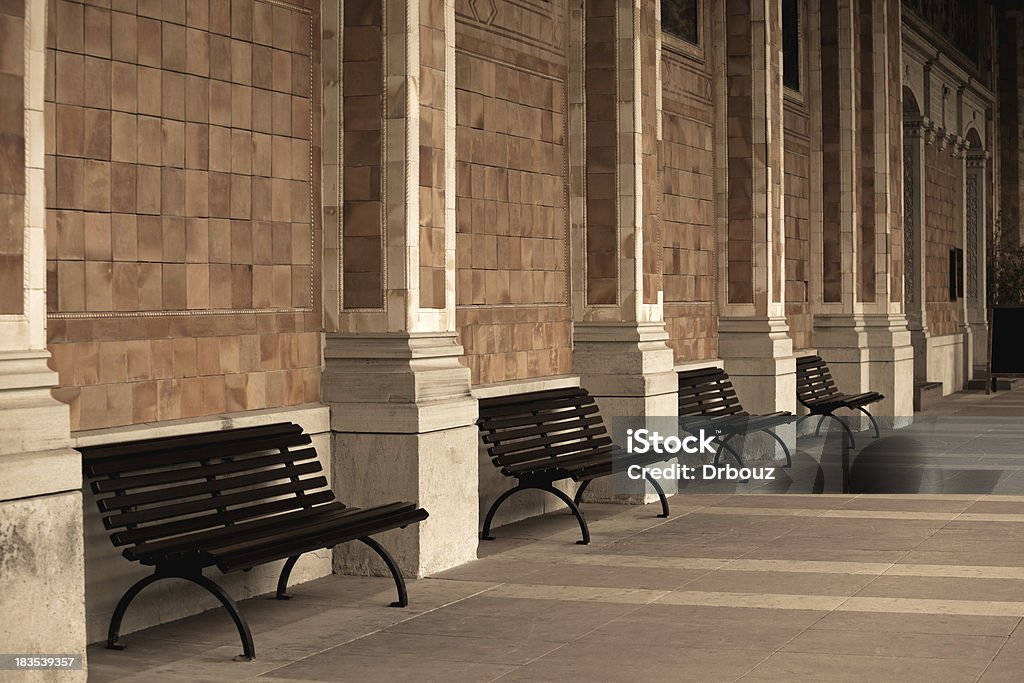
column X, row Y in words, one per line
column 927, row 394
column 1002, row 384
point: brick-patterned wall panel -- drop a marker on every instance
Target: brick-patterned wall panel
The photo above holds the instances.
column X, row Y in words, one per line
column 943, row 224
column 432, row 171
column 12, row 156
column 362, row 145
column 798, row 214
column 687, row 208
column 511, row 217
column 180, row 188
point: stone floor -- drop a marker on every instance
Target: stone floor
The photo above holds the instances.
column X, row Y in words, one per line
column 732, row 587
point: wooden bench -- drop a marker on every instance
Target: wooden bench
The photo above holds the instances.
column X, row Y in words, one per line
column 817, row 392
column 708, row 394
column 546, row 436
column 232, row 499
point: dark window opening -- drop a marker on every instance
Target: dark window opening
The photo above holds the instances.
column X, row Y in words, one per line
column 679, row 19
column 791, row 44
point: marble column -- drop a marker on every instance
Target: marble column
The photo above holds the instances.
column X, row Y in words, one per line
column 754, row 341
column 619, row 336
column 401, row 412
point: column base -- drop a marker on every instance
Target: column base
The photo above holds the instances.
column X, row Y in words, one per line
column 628, row 368
column 891, row 367
column 403, row 423
column 758, row 355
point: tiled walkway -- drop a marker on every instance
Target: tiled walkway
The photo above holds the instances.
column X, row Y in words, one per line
column 743, row 587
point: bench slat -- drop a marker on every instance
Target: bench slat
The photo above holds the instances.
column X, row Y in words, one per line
column 107, row 452
column 217, row 519
column 543, row 419
column 553, row 452
column 215, row 486
column 511, row 434
column 212, row 503
column 201, row 472
column 512, row 446
column 198, row 454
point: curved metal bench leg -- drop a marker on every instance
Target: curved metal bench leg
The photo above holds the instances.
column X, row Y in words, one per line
column 564, row 497
column 114, row 630
column 846, row 428
column 485, row 535
column 579, row 492
column 722, row 444
column 282, row 581
column 817, row 430
column 785, row 448
column 403, row 595
column 660, row 491
column 871, row 417
column 249, row 649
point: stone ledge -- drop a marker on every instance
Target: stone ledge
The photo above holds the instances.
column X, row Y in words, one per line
column 314, row 418
column 40, row 473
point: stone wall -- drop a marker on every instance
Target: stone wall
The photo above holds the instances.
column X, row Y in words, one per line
column 512, row 244
column 797, row 168
column 182, row 171
column 12, row 156
column 943, row 227
column 687, row 205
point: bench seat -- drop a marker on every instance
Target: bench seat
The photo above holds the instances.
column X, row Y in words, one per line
column 232, row 499
column 708, row 394
column 816, row 391
column 541, row 437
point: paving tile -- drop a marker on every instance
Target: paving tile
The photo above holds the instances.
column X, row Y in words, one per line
column 793, row 583
column 792, row 666
column 596, row 661
column 961, row 647
column 329, row 666
column 891, row 622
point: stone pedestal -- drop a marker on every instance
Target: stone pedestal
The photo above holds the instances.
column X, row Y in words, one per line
column 757, row 353
column 890, row 357
column 41, row 555
column 628, row 368
column 404, row 429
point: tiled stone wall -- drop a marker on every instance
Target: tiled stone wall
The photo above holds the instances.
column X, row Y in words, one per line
column 864, row 98
column 180, row 233
column 943, row 225
column 513, row 312
column 740, row 249
column 650, row 173
column 831, row 181
column 797, row 144
column 362, row 217
column 687, row 207
column 896, row 241
column 432, row 171
column 601, row 154
column 12, row 156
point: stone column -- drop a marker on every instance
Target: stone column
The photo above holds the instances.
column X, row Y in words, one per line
column 619, row 336
column 975, row 257
column 890, row 355
column 41, row 546
column 917, row 132
column 859, row 328
column 401, row 412
column 753, row 337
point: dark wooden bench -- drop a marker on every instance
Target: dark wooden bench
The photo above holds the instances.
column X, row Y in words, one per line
column 232, row 499
column 708, row 394
column 817, row 392
column 541, row 437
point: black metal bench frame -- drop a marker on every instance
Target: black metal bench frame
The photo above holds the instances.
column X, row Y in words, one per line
column 173, row 508
column 542, row 437
column 708, row 393
column 816, row 391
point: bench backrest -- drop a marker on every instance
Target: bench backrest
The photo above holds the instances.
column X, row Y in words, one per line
column 707, row 391
column 159, row 488
column 813, row 380
column 545, row 428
